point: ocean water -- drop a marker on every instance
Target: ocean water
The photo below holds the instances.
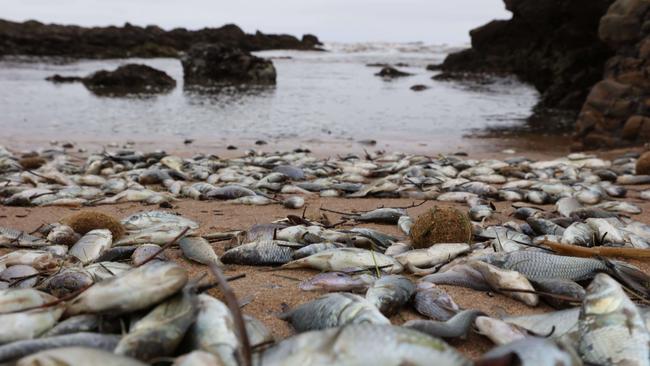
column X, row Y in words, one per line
column 320, row 96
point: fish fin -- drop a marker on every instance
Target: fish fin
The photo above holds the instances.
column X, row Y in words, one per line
column 630, row 276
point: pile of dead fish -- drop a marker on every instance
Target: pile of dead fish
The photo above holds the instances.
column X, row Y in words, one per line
column 62, row 178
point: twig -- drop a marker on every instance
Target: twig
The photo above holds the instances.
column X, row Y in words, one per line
column 240, row 326
column 208, row 286
column 164, row 247
column 340, row 212
column 577, row 251
column 412, row 205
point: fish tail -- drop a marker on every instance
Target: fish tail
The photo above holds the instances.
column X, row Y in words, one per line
column 630, row 276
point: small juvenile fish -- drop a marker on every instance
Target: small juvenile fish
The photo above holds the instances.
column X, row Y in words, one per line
column 259, row 253
column 103, row 270
column 563, row 288
column 229, row 192
column 199, row 250
column 384, row 215
column 347, row 258
column 147, row 219
column 63, row 235
column 67, row 282
column 146, row 251
column 433, row 302
column 432, row 256
column 457, row 326
column 22, row 276
column 117, row 253
column 158, row 234
column 390, row 293
column 338, row 282
column 294, row 202
column 92, row 245
column 579, row 233
column 397, row 249
column 334, row 310
column 499, row 278
column 77, row 356
column 75, row 324
column 28, row 324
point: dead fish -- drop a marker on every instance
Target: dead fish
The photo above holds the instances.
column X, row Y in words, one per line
column 77, row 356
column 160, row 331
column 75, row 324
column 579, row 233
column 41, row 260
column 146, row 219
column 160, row 234
column 259, row 253
column 607, row 230
column 310, row 249
column 334, row 310
column 433, row 302
column 356, row 344
column 404, row 223
column 117, row 253
column 199, row 250
column 28, row 324
column 17, row 238
column 532, row 351
column 627, row 179
column 63, row 235
column 556, row 323
column 258, row 333
column 499, row 331
column 338, row 282
column 104, row 270
column 252, row 201
column 66, row 282
column 397, row 249
column 20, row 276
column 611, row 328
column 294, row 202
column 146, row 251
column 432, row 256
column 229, row 192
column 566, row 206
column 457, row 326
column 499, row 278
column 480, row 212
column 214, row 330
column 135, row 289
column 12, row 300
column 386, row 215
column 197, row 358
column 390, row 293
column 18, row 349
column 92, row 245
column 459, row 275
column 560, row 287
column 347, row 258
column 544, row 227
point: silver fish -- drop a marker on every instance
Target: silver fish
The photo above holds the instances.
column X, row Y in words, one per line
column 199, row 250
column 334, row 310
column 533, row 351
column 457, row 326
column 259, row 253
column 214, row 330
column 459, row 275
column 499, row 331
column 18, row 349
column 390, row 293
column 92, row 245
column 612, row 331
column 147, row 219
column 338, row 282
column 347, row 258
column 356, row 345
column 433, row 302
column 75, row 324
column 499, row 278
column 77, row 356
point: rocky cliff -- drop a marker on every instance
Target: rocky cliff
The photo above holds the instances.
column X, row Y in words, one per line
column 38, row 39
column 617, row 110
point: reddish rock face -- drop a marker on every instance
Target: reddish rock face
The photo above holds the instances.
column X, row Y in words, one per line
column 618, row 107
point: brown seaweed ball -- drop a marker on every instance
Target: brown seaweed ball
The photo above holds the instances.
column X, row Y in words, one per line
column 643, row 164
column 85, row 221
column 33, row 162
column 441, row 225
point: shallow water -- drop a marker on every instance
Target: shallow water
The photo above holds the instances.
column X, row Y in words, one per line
column 320, row 96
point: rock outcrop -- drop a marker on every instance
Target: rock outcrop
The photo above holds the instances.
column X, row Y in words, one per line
column 617, row 110
column 552, row 44
column 389, row 72
column 38, row 39
column 129, row 79
column 207, row 64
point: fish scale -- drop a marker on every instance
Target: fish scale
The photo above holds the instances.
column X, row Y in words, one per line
column 544, row 266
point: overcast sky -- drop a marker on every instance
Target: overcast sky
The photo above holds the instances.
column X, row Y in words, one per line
column 431, row 21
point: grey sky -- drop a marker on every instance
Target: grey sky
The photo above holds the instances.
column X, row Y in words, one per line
column 431, row 21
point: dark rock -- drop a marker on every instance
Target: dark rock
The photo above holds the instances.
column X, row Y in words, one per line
column 221, row 64
column 231, row 147
column 38, row 39
column 434, row 67
column 56, row 78
column 402, row 64
column 260, row 142
column 419, row 87
column 129, row 79
column 391, row 72
column 552, row 44
column 378, row 64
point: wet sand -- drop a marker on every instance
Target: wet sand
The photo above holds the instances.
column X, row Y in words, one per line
column 267, row 293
